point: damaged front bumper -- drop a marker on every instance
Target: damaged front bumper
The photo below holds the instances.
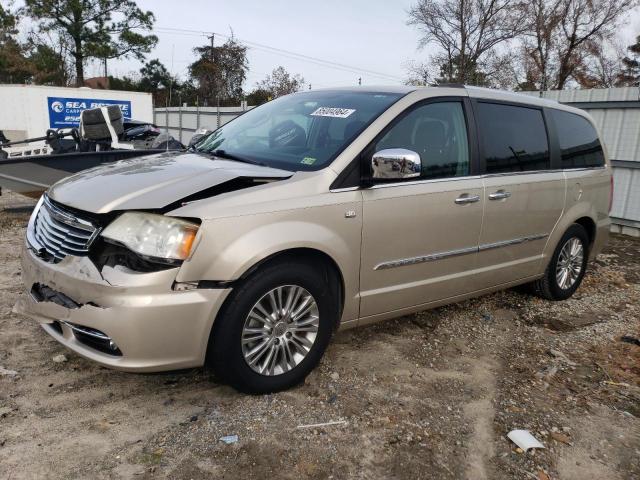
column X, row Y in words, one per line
column 119, row 318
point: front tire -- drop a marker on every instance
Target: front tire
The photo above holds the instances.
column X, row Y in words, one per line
column 275, row 327
column 567, row 267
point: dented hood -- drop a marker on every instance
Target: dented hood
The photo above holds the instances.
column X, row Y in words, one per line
column 152, row 182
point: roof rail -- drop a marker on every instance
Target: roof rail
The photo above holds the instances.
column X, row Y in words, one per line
column 450, row 85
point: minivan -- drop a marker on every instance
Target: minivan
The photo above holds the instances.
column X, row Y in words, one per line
column 317, row 211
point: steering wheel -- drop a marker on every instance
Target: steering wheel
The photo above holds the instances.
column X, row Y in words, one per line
column 287, row 134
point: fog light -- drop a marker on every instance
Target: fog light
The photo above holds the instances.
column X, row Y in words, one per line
column 113, row 346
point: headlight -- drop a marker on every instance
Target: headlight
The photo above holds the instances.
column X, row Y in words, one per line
column 153, row 235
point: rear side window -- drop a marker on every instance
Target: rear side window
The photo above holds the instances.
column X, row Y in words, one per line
column 579, row 142
column 514, row 138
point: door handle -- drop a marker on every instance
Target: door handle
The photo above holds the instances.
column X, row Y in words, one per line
column 499, row 195
column 464, row 199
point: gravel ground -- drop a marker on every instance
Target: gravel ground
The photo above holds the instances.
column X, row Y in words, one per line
column 431, row 395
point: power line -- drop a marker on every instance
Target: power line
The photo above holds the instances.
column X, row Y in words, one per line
column 283, row 52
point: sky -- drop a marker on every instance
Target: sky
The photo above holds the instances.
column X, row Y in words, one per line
column 367, row 35
column 370, row 37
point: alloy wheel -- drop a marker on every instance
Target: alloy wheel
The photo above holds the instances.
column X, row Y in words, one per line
column 280, row 330
column 570, row 263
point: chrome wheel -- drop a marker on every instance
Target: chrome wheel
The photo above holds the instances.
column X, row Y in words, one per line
column 569, row 265
column 280, row 330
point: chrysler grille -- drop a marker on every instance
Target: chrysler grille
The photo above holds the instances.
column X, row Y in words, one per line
column 59, row 233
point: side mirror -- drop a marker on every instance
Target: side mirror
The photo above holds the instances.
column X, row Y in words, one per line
column 396, row 163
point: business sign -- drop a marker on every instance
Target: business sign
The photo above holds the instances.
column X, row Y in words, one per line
column 65, row 112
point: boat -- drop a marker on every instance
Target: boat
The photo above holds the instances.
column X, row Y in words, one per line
column 102, row 137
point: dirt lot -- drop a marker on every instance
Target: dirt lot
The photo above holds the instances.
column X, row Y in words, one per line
column 431, row 395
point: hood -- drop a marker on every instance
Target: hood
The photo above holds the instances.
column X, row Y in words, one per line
column 152, row 182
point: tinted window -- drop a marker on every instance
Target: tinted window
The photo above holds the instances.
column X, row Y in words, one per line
column 579, row 141
column 438, row 133
column 514, row 138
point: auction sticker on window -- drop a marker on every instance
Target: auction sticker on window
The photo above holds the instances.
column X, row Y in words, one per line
column 333, row 112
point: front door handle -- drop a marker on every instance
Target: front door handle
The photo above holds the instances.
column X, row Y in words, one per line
column 464, row 199
column 499, row 195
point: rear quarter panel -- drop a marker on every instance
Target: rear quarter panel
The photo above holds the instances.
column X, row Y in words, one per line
column 587, row 196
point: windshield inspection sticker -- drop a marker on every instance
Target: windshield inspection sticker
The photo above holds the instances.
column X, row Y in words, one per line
column 333, row 112
column 308, row 160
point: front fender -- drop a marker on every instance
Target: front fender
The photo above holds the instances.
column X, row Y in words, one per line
column 229, row 247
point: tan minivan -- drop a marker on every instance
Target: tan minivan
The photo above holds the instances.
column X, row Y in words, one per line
column 320, row 210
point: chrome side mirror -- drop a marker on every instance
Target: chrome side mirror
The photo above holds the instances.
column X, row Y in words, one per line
column 396, row 163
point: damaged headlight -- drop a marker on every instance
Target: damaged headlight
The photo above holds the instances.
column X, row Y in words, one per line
column 153, row 235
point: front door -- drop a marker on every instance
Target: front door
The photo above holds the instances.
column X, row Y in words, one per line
column 420, row 236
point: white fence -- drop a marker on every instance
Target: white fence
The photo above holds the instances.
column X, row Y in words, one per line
column 182, row 122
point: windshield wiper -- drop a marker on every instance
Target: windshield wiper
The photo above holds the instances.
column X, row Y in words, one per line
column 237, row 158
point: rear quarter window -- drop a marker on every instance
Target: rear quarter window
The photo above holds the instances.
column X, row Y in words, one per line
column 579, row 143
column 514, row 138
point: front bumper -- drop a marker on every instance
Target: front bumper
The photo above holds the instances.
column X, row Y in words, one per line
column 154, row 327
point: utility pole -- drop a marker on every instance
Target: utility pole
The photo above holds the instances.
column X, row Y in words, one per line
column 211, row 37
column 215, row 79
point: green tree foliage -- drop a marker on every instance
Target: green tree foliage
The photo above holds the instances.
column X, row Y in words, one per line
column 14, row 65
column 94, row 29
column 258, row 96
column 280, row 82
column 219, row 73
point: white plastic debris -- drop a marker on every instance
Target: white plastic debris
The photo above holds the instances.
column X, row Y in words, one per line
column 524, row 439
column 315, row 425
column 229, row 439
column 59, row 358
column 10, row 373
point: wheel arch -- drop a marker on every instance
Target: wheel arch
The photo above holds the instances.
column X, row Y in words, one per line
column 590, row 226
column 307, row 254
column 585, row 215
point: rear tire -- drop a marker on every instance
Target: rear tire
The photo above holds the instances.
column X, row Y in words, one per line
column 567, row 267
column 256, row 314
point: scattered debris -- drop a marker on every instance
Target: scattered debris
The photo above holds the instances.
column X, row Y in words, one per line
column 561, row 437
column 542, row 475
column 335, row 376
column 9, row 373
column 59, row 358
column 327, row 424
column 229, row 439
column 4, row 411
column 524, row 439
column 616, row 384
column 630, row 339
column 486, row 316
column 561, row 356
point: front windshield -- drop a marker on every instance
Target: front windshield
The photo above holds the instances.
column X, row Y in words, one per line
column 304, row 131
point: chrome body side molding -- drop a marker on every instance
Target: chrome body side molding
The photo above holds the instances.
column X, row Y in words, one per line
column 453, row 253
column 515, row 241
